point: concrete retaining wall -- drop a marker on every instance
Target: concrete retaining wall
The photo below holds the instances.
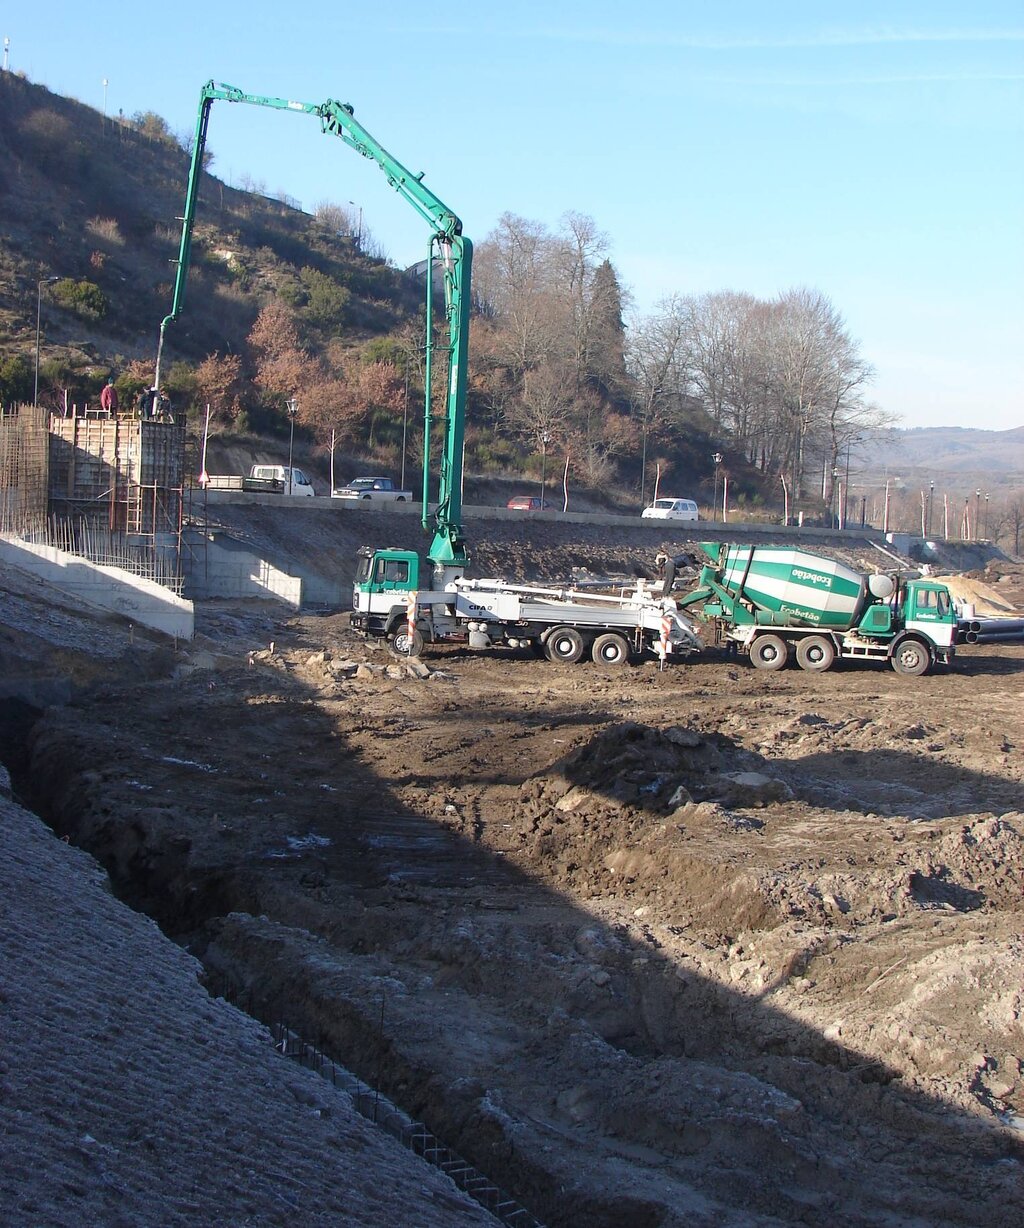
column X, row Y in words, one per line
column 218, row 566
column 134, row 597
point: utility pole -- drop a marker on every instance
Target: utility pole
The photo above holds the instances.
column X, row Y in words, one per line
column 39, row 307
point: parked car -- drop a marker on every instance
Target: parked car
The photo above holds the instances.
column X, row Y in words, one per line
column 671, row 509
column 528, row 503
column 381, row 490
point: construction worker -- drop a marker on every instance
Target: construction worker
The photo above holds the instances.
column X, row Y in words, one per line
column 108, row 398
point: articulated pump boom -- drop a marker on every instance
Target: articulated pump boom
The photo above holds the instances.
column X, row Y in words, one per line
column 447, row 244
column 393, row 595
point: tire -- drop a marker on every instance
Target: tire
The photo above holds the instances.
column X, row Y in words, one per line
column 610, row 649
column 769, row 652
column 404, row 645
column 815, row 654
column 400, row 499
column 911, row 657
column 565, row 645
column 367, row 497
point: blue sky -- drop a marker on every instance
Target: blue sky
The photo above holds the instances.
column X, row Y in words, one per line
column 870, row 151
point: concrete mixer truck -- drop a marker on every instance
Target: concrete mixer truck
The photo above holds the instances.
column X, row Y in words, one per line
column 774, row 603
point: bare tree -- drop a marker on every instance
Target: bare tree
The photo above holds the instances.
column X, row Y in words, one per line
column 543, row 412
column 1013, row 519
column 577, row 253
column 656, row 360
column 512, row 277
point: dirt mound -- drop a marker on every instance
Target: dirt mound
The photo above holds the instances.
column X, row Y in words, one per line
column 986, row 600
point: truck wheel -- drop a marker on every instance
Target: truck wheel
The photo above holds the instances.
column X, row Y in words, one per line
column 366, row 496
column 815, row 654
column 402, row 644
column 400, row 499
column 911, row 657
column 769, row 652
column 565, row 644
column 610, row 649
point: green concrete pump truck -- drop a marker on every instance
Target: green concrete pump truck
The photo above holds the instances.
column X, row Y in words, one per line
column 773, row 603
column 396, row 594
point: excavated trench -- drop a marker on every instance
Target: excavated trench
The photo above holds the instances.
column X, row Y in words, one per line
column 434, row 968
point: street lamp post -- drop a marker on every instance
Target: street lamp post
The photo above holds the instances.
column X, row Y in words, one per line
column 293, row 409
column 545, row 439
column 985, row 522
column 832, row 498
column 39, row 307
column 717, row 458
column 977, row 514
column 643, row 466
column 931, row 496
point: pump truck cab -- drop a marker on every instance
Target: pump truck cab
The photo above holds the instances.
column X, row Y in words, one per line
column 775, row 603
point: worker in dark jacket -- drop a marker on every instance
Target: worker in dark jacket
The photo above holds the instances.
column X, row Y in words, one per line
column 108, row 398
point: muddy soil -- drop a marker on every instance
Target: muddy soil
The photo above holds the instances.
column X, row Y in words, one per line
column 700, row 945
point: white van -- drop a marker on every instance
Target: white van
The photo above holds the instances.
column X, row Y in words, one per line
column 671, row 509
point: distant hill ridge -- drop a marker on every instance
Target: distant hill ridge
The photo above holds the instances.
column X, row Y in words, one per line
column 989, row 458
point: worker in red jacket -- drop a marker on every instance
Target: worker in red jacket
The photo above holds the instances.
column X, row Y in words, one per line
column 108, row 398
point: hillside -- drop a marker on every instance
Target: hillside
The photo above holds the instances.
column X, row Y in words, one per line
column 992, row 459
column 98, row 200
column 95, row 202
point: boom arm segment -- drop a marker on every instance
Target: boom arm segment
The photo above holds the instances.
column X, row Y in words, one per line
column 455, row 252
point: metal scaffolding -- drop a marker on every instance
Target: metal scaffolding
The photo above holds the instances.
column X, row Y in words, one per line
column 24, row 457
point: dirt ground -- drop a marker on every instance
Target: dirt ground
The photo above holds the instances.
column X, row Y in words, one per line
column 651, row 947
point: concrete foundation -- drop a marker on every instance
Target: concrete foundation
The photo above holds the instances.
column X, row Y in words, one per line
column 133, row 597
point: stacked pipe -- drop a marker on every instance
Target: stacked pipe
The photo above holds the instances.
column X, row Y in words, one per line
column 991, row 631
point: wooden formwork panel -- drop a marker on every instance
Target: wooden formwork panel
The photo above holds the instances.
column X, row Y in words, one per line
column 124, row 471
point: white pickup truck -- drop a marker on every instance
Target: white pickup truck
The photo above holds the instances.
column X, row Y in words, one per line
column 263, row 479
column 380, row 490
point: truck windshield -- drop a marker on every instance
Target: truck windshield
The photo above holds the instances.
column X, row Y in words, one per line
column 363, row 570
